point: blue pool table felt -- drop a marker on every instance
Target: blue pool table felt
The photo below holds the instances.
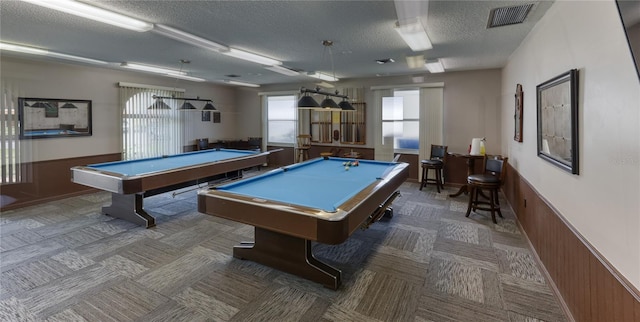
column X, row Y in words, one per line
column 49, row 132
column 151, row 165
column 320, row 183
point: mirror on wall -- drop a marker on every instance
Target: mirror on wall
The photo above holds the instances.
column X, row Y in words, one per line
column 630, row 16
column 50, row 118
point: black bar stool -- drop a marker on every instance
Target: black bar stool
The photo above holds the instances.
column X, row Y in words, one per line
column 491, row 180
column 436, row 163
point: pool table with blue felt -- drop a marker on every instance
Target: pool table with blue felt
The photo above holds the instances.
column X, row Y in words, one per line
column 132, row 180
column 51, row 132
column 315, row 201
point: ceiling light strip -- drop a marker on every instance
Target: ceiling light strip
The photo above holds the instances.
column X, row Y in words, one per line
column 241, row 83
column 189, row 38
column 414, row 35
column 323, row 77
column 283, row 70
column 23, row 49
column 77, row 58
column 241, row 54
column 94, row 13
column 185, row 77
column 434, row 66
column 153, row 69
column 44, row 52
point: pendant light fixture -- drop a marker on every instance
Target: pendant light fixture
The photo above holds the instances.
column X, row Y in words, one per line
column 158, row 104
column 328, row 104
column 306, row 101
column 186, row 105
column 209, row 107
column 68, row 105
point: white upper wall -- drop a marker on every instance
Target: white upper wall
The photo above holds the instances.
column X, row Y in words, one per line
column 26, row 78
column 603, row 201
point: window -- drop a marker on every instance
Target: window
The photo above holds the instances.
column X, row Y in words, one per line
column 281, row 119
column 149, row 131
column 401, row 119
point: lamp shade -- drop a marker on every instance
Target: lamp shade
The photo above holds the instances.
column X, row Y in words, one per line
column 307, row 101
column 187, row 106
column 159, row 105
column 68, row 105
column 346, row 106
column 328, row 103
column 40, row 105
column 209, row 107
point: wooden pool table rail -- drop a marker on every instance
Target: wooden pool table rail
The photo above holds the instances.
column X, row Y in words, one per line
column 128, row 192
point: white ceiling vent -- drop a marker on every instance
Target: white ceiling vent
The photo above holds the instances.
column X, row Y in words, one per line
column 508, row 15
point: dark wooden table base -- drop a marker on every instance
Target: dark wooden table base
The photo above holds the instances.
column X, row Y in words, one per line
column 289, row 254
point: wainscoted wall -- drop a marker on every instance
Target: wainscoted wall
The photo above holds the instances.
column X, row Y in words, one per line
column 281, row 158
column 591, row 288
column 49, row 180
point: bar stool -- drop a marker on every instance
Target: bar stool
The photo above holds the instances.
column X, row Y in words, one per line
column 202, row 144
column 304, row 144
column 435, row 162
column 491, row 180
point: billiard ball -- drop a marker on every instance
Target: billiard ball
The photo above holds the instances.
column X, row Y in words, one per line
column 346, row 168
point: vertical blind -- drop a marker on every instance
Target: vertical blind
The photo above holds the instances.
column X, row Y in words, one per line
column 11, row 157
column 150, row 130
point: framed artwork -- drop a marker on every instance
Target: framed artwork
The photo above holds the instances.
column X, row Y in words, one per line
column 557, row 105
column 628, row 11
column 517, row 117
column 206, row 116
column 51, row 117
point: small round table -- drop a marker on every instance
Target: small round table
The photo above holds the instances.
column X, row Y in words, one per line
column 471, row 162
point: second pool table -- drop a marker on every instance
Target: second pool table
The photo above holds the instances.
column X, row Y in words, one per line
column 315, row 201
column 131, row 180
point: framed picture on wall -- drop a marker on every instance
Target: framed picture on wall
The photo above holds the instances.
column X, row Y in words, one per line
column 51, row 117
column 557, row 101
column 517, row 117
column 216, row 117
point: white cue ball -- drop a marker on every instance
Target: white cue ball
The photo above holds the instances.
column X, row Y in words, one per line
column 346, row 168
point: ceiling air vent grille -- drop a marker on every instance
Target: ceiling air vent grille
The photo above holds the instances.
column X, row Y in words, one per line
column 508, row 15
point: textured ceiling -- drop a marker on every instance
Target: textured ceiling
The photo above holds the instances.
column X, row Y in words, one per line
column 290, row 31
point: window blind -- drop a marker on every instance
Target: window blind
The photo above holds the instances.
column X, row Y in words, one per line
column 149, row 128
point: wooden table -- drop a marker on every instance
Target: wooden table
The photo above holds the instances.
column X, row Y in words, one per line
column 471, row 162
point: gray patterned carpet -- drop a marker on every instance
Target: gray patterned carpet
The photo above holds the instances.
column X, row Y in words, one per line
column 64, row 261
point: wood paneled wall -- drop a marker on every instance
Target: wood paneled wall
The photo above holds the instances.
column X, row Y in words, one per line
column 592, row 290
column 50, row 180
column 280, row 158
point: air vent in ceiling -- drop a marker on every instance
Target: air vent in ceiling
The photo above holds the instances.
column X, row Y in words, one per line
column 508, row 15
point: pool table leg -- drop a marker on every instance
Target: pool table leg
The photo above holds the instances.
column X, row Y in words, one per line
column 129, row 208
column 289, row 254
